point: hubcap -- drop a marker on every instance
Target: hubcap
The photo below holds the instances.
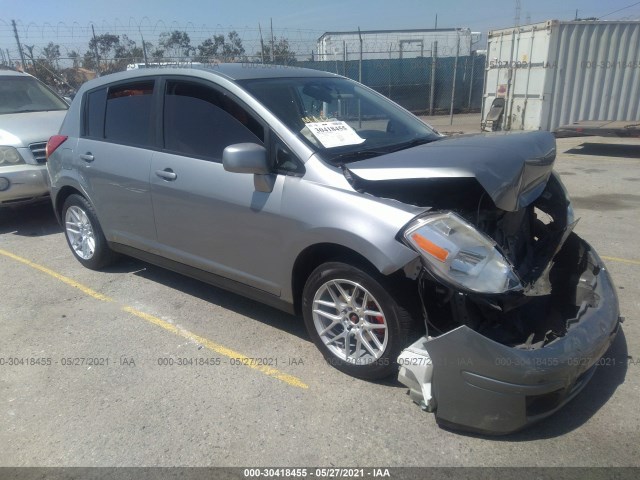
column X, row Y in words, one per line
column 350, row 322
column 80, row 232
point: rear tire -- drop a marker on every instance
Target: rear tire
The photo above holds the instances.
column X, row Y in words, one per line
column 84, row 234
column 354, row 320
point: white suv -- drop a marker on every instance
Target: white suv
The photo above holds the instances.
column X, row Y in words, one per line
column 30, row 113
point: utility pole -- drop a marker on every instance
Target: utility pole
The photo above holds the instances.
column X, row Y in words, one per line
column 144, row 49
column 453, row 86
column 434, row 59
column 273, row 51
column 360, row 61
column 95, row 41
column 360, row 79
column 15, row 31
column 261, row 44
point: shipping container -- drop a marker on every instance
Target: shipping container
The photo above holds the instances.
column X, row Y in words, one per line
column 542, row 76
column 393, row 44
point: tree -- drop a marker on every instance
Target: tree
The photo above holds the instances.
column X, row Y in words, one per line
column 75, row 58
column 126, row 52
column 176, row 44
column 102, row 50
column 157, row 54
column 110, row 53
column 233, row 49
column 210, row 48
column 52, row 54
column 282, row 53
column 217, row 47
column 44, row 66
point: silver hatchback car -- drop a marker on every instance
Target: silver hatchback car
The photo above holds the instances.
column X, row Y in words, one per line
column 451, row 259
column 29, row 114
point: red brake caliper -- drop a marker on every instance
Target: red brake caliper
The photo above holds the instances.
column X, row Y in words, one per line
column 377, row 319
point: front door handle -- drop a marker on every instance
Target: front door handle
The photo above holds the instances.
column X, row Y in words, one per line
column 166, row 174
column 87, row 157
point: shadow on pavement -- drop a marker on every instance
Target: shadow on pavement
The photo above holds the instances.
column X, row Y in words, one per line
column 29, row 221
column 214, row 295
column 606, row 150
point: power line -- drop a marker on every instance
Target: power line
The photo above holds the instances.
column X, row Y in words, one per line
column 619, row 10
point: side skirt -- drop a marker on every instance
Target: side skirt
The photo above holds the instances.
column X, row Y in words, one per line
column 204, row 276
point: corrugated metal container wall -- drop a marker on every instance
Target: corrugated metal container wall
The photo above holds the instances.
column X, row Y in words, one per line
column 555, row 73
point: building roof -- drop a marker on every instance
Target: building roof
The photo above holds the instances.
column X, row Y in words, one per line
column 387, row 32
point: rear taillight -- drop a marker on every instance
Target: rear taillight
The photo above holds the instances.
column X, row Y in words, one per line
column 53, row 143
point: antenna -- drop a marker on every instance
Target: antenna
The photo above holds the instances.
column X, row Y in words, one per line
column 517, row 19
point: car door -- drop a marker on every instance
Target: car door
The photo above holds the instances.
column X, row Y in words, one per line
column 113, row 158
column 206, row 217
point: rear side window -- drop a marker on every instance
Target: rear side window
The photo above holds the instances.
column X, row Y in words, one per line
column 94, row 123
column 128, row 114
column 201, row 121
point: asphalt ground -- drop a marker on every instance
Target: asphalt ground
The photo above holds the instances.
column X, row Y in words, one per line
column 138, row 366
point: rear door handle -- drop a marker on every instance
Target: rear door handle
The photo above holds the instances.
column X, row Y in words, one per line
column 87, row 157
column 166, row 174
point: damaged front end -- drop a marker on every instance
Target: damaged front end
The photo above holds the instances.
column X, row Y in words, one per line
column 496, row 371
column 518, row 309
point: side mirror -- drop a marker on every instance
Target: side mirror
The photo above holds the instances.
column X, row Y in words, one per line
column 246, row 158
column 250, row 158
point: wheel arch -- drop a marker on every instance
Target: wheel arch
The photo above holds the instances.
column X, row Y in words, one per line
column 315, row 255
column 62, row 195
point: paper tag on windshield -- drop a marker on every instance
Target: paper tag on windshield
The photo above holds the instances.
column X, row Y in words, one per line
column 334, row 133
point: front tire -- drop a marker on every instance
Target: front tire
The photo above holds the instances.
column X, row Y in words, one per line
column 354, row 320
column 84, row 234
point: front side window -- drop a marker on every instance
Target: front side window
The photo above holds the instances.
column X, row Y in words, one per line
column 201, row 121
column 22, row 94
column 128, row 114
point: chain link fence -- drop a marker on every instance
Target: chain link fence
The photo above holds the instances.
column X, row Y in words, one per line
column 425, row 86
column 424, row 83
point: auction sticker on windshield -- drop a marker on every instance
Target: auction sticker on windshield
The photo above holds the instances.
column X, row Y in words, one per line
column 334, row 133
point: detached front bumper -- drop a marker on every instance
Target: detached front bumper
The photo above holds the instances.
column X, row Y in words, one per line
column 477, row 384
column 21, row 184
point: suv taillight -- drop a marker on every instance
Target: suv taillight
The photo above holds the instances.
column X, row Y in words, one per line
column 53, row 143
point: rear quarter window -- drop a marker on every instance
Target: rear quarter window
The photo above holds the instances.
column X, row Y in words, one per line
column 94, row 116
column 121, row 114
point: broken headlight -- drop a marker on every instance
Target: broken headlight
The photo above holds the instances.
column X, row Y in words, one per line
column 459, row 254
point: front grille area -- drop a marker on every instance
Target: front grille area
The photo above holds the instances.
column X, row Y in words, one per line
column 39, row 151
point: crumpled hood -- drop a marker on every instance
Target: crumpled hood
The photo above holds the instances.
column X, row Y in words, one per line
column 513, row 168
column 21, row 129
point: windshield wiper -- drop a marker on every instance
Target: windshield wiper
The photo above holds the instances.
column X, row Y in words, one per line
column 358, row 154
column 413, row 143
column 361, row 154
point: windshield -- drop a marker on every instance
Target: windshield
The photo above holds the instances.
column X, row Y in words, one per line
column 341, row 119
column 26, row 94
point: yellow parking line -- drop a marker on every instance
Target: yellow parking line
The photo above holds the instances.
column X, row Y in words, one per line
column 622, row 260
column 220, row 349
column 62, row 278
column 215, row 347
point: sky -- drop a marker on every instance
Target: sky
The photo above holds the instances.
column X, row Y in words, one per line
column 67, row 22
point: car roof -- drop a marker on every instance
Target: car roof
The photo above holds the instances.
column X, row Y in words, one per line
column 13, row 73
column 246, row 71
column 230, row 71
